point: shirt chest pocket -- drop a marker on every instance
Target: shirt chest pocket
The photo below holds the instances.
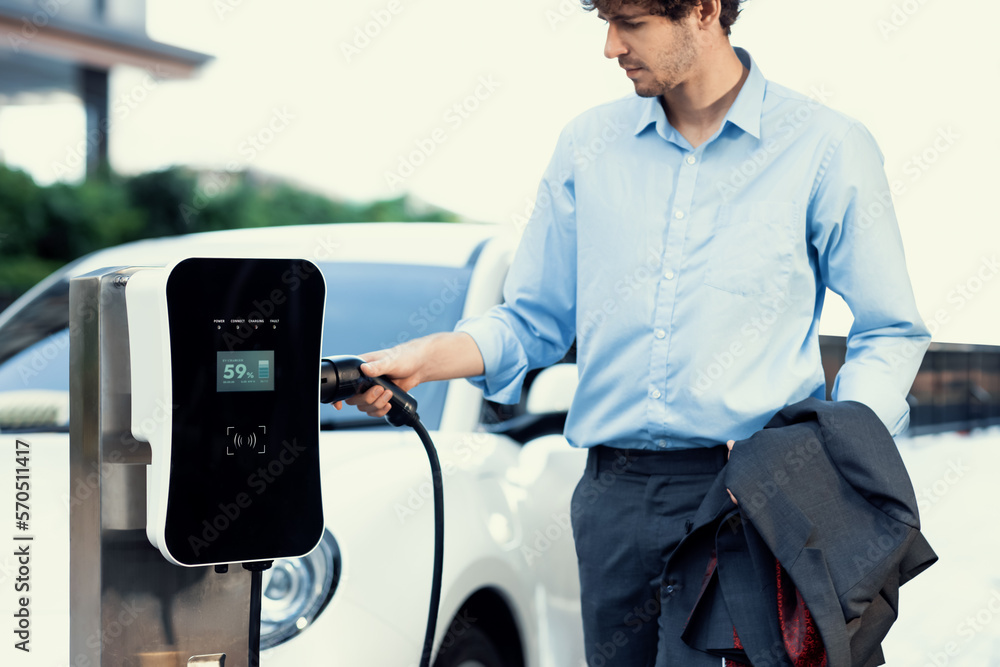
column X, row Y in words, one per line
column 752, row 248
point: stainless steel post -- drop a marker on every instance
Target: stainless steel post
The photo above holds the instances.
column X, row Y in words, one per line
column 128, row 605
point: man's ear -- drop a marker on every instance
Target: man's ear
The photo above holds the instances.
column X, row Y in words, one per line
column 707, row 14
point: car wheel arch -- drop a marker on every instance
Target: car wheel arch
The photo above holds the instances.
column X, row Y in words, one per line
column 490, row 611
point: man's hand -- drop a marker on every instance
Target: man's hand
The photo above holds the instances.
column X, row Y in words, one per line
column 730, row 444
column 441, row 356
column 401, row 364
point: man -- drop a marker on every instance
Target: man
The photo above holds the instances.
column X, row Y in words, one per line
column 688, row 236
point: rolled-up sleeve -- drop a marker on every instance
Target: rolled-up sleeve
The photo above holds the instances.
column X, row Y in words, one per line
column 853, row 228
column 536, row 323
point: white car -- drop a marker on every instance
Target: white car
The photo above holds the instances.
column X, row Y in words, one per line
column 510, row 595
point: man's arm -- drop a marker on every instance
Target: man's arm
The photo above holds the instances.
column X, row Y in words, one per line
column 853, row 228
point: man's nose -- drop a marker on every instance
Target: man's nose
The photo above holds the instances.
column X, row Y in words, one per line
column 614, row 46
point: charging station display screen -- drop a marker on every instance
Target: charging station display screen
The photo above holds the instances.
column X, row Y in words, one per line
column 244, row 371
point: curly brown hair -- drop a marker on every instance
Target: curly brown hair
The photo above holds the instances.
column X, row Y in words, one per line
column 672, row 9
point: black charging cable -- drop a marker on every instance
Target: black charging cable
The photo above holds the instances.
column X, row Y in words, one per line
column 256, row 578
column 438, row 484
column 340, row 378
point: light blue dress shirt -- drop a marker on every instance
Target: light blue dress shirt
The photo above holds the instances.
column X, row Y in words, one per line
column 693, row 278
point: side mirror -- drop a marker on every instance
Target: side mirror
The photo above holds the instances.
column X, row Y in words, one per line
column 34, row 409
column 553, row 390
column 547, row 404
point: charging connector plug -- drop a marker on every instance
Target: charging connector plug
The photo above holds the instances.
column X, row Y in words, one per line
column 341, row 377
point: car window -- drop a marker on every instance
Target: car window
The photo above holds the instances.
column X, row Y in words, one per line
column 44, row 365
column 369, row 307
column 43, row 316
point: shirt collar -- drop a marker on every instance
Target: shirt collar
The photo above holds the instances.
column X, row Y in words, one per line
column 744, row 113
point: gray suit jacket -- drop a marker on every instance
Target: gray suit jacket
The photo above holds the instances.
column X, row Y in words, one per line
column 823, row 490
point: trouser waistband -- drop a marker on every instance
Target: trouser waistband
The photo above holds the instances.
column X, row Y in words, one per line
column 694, row 461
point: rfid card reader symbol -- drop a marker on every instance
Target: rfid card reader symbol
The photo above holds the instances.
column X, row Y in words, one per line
column 254, row 440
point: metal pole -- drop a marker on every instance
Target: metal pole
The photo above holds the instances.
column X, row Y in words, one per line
column 128, row 605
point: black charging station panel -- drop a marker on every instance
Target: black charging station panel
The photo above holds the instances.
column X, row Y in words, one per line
column 245, row 339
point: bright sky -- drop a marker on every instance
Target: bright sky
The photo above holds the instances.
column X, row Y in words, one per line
column 337, row 109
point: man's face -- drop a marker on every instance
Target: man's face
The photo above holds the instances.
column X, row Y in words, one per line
column 656, row 53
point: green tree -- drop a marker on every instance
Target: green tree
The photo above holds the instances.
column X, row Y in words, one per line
column 42, row 228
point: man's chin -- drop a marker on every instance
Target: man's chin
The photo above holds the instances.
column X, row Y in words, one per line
column 647, row 87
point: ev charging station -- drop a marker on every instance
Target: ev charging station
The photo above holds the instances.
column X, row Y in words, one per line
column 243, row 391
column 194, row 397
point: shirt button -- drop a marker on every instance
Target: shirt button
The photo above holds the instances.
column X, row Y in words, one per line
column 660, row 333
column 679, row 214
column 655, row 393
column 661, row 443
column 691, row 159
column 669, row 275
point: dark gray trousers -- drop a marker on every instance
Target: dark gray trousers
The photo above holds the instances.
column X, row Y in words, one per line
column 629, row 511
